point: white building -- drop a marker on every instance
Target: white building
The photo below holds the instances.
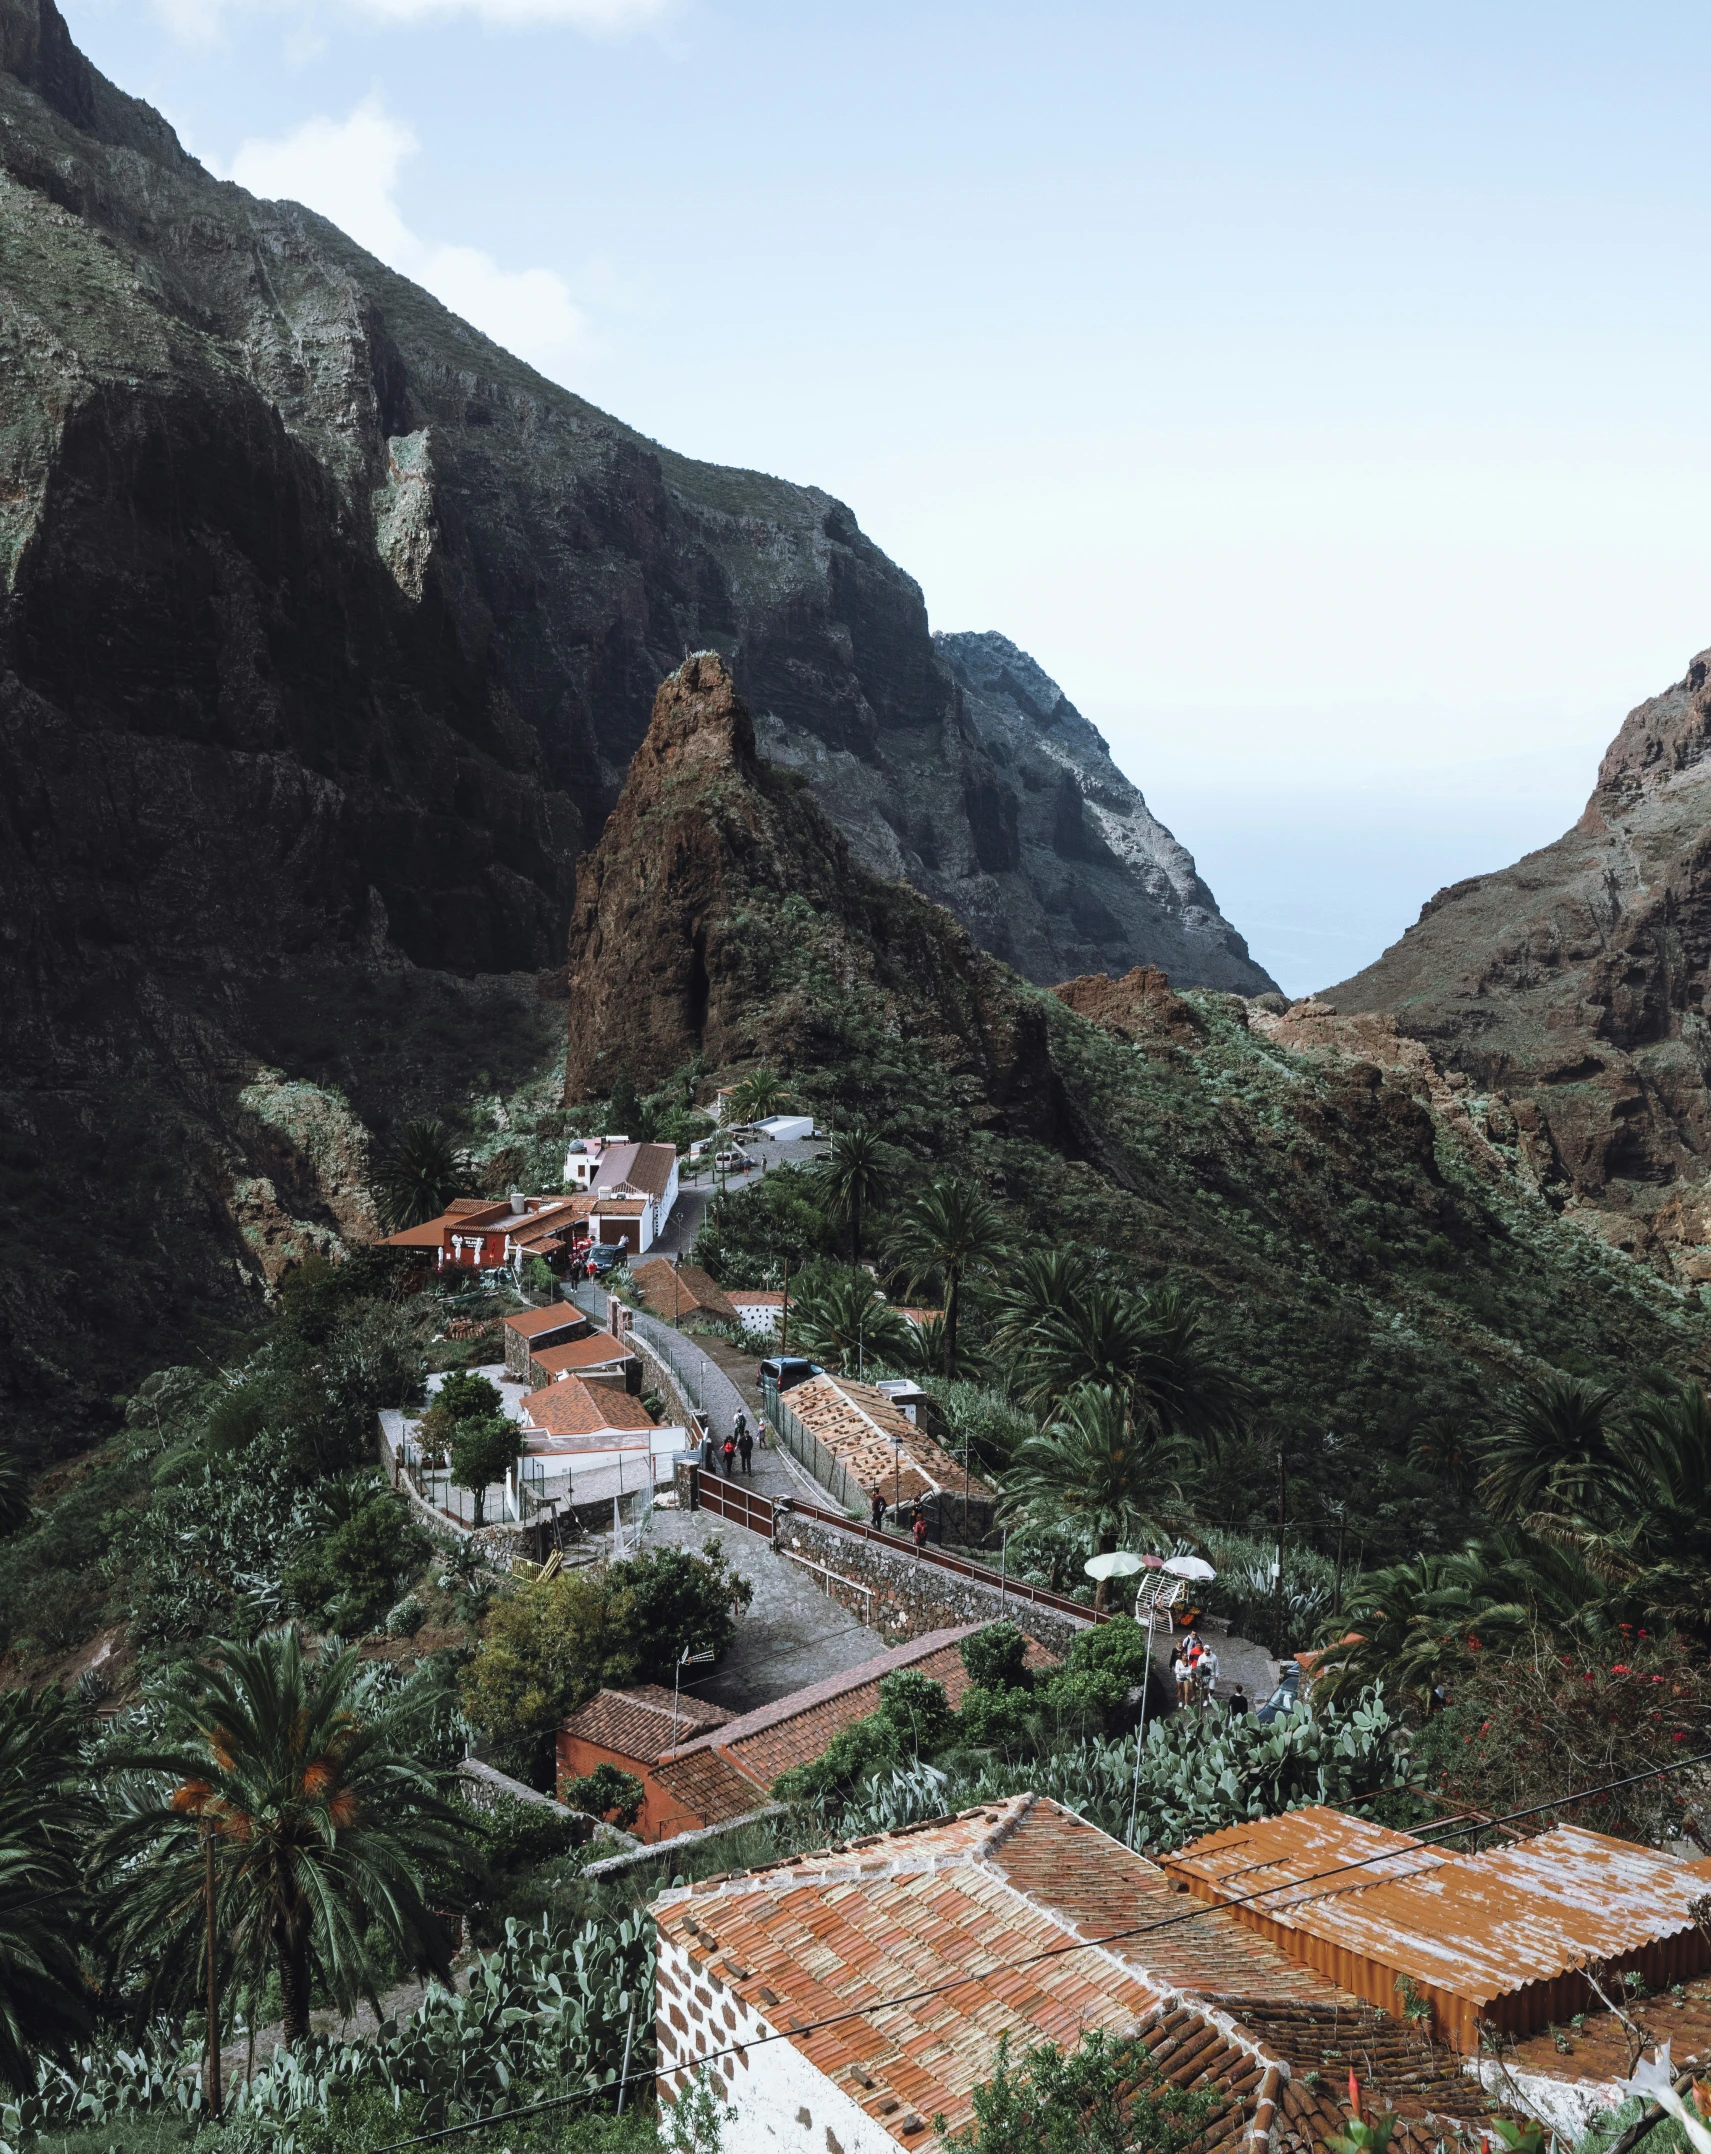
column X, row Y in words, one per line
column 634, row 1187
column 761, row 1309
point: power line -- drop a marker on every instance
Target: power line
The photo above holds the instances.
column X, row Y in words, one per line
column 1033, row 1959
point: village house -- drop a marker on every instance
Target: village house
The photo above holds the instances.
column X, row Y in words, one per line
column 631, row 1188
column 879, row 1446
column 678, row 1292
column 597, row 1355
column 847, row 1998
column 759, row 1309
column 729, row 1771
column 529, row 1330
column 592, row 1421
column 486, row 1234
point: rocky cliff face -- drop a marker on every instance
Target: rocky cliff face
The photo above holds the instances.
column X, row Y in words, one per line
column 1570, row 991
column 722, row 915
column 1007, row 808
column 327, row 633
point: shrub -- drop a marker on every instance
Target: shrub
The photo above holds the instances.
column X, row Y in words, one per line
column 361, row 1544
column 606, row 1792
column 1107, row 2097
column 996, row 1658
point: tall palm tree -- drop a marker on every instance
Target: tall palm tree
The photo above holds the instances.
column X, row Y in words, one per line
column 951, row 1232
column 323, row 1827
column 843, row 1320
column 759, row 1094
column 1098, row 1464
column 45, row 2000
column 420, row 1175
column 1155, row 1351
column 1550, row 1446
column 858, row 1171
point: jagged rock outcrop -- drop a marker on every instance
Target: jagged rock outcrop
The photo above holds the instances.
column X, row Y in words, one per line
column 722, row 915
column 327, row 632
column 1570, row 989
column 1009, row 809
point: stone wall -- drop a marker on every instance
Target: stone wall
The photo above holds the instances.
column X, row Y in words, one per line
column 902, row 1595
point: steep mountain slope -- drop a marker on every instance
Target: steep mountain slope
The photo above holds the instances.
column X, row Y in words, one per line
column 327, row 631
column 1571, row 989
column 1372, row 1259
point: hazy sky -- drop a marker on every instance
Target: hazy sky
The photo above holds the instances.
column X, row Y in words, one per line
column 1317, row 391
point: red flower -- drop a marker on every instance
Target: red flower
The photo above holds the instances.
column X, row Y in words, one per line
column 1621, row 1668
column 1472, row 1643
column 1680, row 1736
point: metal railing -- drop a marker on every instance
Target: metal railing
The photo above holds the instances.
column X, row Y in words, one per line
column 729, row 1499
column 810, row 1453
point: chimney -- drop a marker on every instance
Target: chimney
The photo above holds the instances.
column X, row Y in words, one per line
column 519, row 1202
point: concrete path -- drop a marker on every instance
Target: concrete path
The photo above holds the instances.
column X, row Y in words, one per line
column 791, row 1634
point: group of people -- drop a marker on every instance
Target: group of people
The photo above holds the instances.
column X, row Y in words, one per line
column 915, row 1517
column 737, row 1448
column 1194, row 1670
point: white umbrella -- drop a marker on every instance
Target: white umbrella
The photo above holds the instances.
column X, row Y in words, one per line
column 1195, row 1567
column 1118, row 1564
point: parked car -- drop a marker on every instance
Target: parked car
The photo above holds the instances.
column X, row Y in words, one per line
column 607, row 1256
column 1286, row 1698
column 785, row 1371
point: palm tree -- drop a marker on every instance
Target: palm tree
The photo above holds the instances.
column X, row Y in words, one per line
column 857, row 1172
column 1044, row 1280
column 323, row 1827
column 843, row 1320
column 759, row 1094
column 1098, row 1464
column 951, row 1231
column 1550, row 1447
column 420, row 1176
column 45, row 2001
column 1151, row 1348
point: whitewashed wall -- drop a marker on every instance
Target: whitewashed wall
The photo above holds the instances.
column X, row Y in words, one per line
column 780, row 2098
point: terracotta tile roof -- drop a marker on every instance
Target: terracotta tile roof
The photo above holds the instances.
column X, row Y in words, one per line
column 645, row 1168
column 465, row 1207
column 429, row 1235
column 679, row 1290
column 794, row 1730
column 556, row 1316
column 709, row 1786
column 757, row 1297
column 857, row 1423
column 599, row 1351
column 571, row 1407
column 639, row 1723
column 618, row 1207
column 933, row 1910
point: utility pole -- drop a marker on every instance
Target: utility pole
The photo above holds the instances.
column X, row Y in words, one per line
column 1277, row 1597
column 216, row 2103
column 784, row 1313
column 1342, row 1535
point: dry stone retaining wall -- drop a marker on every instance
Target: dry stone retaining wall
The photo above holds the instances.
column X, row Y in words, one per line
column 902, row 1596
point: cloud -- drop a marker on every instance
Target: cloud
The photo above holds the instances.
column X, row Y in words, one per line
column 349, row 169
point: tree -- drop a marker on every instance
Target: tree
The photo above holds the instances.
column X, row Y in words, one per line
column 624, row 1109
column 483, row 1450
column 45, row 2001
column 606, row 1792
column 363, row 1545
column 951, row 1232
column 420, row 1175
column 462, row 1396
column 1102, row 1465
column 1107, row 2097
column 1151, row 1348
column 760, row 1093
column 841, row 1318
column 14, row 1496
column 1550, row 1446
column 857, row 1173
column 324, row 1828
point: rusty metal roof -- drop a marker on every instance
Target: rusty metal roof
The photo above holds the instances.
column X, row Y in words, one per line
column 1475, row 1926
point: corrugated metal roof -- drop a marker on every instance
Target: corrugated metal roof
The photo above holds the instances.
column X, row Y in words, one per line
column 1477, row 1928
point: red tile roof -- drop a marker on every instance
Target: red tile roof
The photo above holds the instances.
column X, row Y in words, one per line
column 572, row 1407
column 794, row 1730
column 556, row 1316
column 858, row 1423
column 639, row 1723
column 599, row 1351
column 675, row 1291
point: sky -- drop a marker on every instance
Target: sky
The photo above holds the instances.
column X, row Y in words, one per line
column 1318, row 392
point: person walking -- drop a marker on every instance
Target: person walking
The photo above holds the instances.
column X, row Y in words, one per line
column 918, row 1527
column 1206, row 1672
column 745, row 1446
column 877, row 1517
column 728, row 1456
column 1236, row 1704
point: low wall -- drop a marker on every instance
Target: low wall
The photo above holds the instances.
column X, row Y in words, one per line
column 893, row 1591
